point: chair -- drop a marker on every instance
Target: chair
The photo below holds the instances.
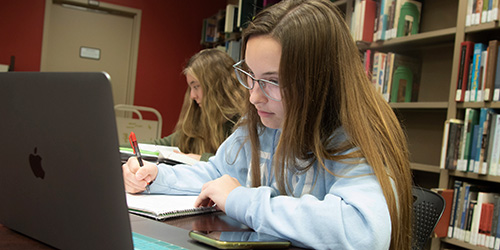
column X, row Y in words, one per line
column 146, row 130
column 428, row 207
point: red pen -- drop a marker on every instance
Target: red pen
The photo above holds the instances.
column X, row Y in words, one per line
column 135, row 146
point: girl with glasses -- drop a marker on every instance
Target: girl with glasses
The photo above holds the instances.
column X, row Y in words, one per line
column 324, row 161
column 212, row 105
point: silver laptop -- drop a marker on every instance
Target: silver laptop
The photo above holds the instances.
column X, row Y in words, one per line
column 60, row 173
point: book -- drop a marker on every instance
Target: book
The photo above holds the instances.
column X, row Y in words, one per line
column 466, row 51
column 485, row 11
column 367, row 62
column 231, row 20
column 162, row 207
column 476, row 70
column 405, row 78
column 451, row 143
column 496, row 90
column 409, row 18
column 477, row 11
column 441, row 228
column 482, row 76
column 493, row 16
column 468, row 18
column 247, row 9
column 158, row 153
column 464, row 153
column 479, row 142
column 461, row 205
column 456, row 195
column 369, row 8
column 389, row 65
column 469, row 203
column 491, row 70
column 496, row 221
column 494, row 148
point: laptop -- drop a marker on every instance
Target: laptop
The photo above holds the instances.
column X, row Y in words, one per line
column 61, row 181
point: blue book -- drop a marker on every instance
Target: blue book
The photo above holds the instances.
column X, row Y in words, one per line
column 473, row 150
column 456, row 196
column 465, row 206
column 476, row 70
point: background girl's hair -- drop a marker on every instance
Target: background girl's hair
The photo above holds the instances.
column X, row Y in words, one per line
column 324, row 88
column 201, row 129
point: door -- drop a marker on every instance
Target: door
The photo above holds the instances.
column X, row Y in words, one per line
column 93, row 36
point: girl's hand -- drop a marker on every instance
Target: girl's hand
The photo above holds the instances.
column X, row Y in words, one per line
column 216, row 192
column 136, row 178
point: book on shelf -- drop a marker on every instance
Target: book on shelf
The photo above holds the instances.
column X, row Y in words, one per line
column 491, row 70
column 247, row 9
column 482, row 76
column 496, row 90
column 485, row 11
column 363, row 20
column 476, row 71
column 405, row 78
column 469, row 15
column 459, row 230
column 367, row 62
column 162, row 207
column 378, row 70
column 409, row 18
column 384, row 20
column 493, row 155
column 441, row 229
column 495, row 229
column 457, row 187
column 231, row 20
column 463, row 153
column 389, row 66
column 477, row 10
column 466, row 51
column 451, row 143
column 209, row 30
column 477, row 142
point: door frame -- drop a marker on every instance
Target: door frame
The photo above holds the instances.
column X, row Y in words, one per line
column 133, row 13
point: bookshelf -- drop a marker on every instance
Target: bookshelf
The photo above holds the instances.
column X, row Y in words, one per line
column 442, row 29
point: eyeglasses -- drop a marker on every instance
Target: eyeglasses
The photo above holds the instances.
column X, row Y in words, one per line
column 269, row 88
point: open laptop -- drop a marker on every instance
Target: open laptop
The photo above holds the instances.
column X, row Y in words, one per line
column 60, row 174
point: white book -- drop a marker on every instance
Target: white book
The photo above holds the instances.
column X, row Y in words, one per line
column 169, row 153
column 161, row 207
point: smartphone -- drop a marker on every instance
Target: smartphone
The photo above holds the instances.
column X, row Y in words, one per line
column 238, row 239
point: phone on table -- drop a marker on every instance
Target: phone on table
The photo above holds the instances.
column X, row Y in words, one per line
column 238, row 239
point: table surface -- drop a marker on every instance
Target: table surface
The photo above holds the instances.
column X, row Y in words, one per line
column 217, row 221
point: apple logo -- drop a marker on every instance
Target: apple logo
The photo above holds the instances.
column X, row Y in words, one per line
column 36, row 165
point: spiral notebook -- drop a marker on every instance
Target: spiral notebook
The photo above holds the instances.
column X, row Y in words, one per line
column 162, row 207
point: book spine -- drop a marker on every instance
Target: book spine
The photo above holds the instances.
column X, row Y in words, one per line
column 456, row 195
column 490, row 71
column 476, row 71
column 496, row 91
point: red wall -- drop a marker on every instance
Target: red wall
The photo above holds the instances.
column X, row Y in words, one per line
column 170, row 34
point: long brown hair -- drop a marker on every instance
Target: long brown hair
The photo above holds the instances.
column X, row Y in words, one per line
column 201, row 129
column 324, row 88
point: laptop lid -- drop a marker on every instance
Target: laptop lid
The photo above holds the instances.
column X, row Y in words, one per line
column 61, row 180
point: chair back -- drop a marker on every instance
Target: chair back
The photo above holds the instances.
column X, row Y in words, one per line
column 428, row 206
column 146, row 130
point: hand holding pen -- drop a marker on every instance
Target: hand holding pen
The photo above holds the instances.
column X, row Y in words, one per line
column 135, row 147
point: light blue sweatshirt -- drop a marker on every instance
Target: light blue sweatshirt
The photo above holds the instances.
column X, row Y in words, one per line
column 347, row 211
